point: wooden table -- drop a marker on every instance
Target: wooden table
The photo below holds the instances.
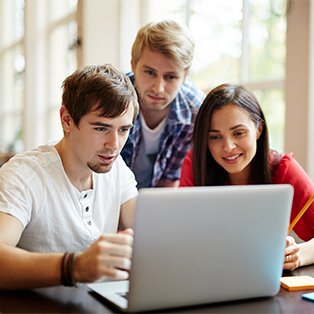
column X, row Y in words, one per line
column 80, row 300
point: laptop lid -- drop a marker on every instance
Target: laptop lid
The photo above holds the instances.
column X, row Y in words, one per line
column 198, row 245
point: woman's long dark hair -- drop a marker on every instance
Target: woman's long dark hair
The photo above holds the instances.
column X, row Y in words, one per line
column 206, row 170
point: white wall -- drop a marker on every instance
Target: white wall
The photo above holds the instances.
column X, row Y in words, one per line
column 108, row 30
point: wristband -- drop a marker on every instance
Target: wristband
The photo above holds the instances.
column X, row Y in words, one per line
column 67, row 268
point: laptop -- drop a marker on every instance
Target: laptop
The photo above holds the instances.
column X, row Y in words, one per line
column 200, row 245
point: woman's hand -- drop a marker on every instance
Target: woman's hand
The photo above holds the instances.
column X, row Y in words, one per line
column 292, row 257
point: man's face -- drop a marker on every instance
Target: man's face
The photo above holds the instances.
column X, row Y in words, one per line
column 157, row 80
column 97, row 141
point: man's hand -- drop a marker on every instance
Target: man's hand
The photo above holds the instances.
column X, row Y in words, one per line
column 107, row 258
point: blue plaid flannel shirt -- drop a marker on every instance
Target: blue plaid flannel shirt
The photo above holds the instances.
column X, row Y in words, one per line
column 176, row 138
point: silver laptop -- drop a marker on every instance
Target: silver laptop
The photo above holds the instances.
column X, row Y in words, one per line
column 203, row 245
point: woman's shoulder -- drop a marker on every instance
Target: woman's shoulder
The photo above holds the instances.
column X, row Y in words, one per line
column 189, row 154
column 276, row 158
column 284, row 165
column 186, row 177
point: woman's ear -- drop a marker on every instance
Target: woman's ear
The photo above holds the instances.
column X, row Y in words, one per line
column 259, row 130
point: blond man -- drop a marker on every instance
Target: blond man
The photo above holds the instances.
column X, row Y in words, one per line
column 162, row 55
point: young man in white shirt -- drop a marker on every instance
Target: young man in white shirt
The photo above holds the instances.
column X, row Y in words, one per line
column 60, row 205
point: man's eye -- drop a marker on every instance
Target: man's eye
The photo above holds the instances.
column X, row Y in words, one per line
column 100, row 129
column 170, row 77
column 125, row 130
column 149, row 72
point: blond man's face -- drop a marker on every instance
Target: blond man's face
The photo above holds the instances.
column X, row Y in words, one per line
column 157, row 80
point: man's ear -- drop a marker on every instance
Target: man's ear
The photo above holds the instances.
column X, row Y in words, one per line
column 259, row 130
column 133, row 65
column 186, row 74
column 65, row 118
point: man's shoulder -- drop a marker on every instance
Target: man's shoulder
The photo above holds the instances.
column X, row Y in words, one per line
column 29, row 169
column 28, row 161
column 191, row 92
column 131, row 76
column 187, row 102
column 190, row 88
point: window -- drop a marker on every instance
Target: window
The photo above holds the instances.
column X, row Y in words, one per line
column 12, row 69
column 238, row 41
column 41, row 36
column 62, row 58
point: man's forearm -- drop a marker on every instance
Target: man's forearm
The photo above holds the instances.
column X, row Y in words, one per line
column 24, row 270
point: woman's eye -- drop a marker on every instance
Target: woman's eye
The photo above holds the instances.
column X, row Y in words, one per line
column 214, row 137
column 239, row 133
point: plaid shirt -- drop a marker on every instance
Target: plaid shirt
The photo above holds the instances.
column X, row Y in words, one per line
column 176, row 138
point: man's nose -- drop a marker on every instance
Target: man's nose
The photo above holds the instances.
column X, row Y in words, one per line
column 113, row 141
column 159, row 85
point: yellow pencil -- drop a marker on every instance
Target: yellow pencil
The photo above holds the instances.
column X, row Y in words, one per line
column 301, row 212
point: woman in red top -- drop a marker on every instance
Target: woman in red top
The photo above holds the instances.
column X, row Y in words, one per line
column 231, row 147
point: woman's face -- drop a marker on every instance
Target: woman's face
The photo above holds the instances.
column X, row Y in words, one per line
column 232, row 141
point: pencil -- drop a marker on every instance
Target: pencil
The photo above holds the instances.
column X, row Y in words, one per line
column 301, row 212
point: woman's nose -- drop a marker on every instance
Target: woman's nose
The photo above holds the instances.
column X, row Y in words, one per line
column 229, row 145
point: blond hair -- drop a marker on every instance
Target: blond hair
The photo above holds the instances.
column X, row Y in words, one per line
column 168, row 38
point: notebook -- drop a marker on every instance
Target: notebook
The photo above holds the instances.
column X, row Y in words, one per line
column 199, row 245
column 294, row 283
